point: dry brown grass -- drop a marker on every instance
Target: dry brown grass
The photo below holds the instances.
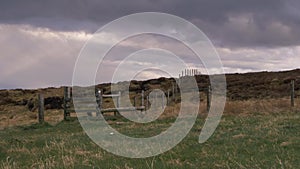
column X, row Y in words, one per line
column 20, row 115
column 256, row 141
column 261, row 106
column 244, row 107
column 8, row 164
column 67, row 154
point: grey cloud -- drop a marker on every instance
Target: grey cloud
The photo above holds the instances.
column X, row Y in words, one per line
column 271, row 23
column 250, row 35
column 258, row 59
column 33, row 61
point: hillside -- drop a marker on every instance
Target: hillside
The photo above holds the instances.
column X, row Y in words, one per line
column 239, row 87
column 257, row 118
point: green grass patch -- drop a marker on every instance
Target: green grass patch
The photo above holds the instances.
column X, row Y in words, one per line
column 270, row 141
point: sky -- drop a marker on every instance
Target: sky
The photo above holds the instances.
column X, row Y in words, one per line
column 41, row 40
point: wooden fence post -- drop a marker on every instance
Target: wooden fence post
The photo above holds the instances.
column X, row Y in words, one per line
column 119, row 99
column 65, row 103
column 69, row 92
column 156, row 104
column 147, row 102
column 117, row 104
column 98, row 100
column 163, row 100
column 142, row 98
column 41, row 108
column 173, row 91
column 168, row 99
column 208, row 98
column 134, row 101
column 292, row 93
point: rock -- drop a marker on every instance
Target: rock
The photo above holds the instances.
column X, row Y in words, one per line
column 53, row 102
column 23, row 102
column 31, row 105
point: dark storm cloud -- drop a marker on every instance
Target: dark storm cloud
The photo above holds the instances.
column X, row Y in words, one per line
column 233, row 23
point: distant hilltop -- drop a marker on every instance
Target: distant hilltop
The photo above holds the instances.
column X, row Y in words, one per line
column 240, row 86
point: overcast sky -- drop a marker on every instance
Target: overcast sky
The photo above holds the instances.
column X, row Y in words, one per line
column 40, row 40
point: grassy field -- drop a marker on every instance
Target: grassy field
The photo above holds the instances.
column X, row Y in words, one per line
column 259, row 128
column 240, row 141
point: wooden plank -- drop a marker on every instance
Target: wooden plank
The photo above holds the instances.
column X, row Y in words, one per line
column 83, row 110
column 111, row 95
column 84, row 98
column 108, row 109
column 122, row 109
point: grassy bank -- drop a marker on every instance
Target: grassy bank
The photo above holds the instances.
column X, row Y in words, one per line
column 240, row 141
